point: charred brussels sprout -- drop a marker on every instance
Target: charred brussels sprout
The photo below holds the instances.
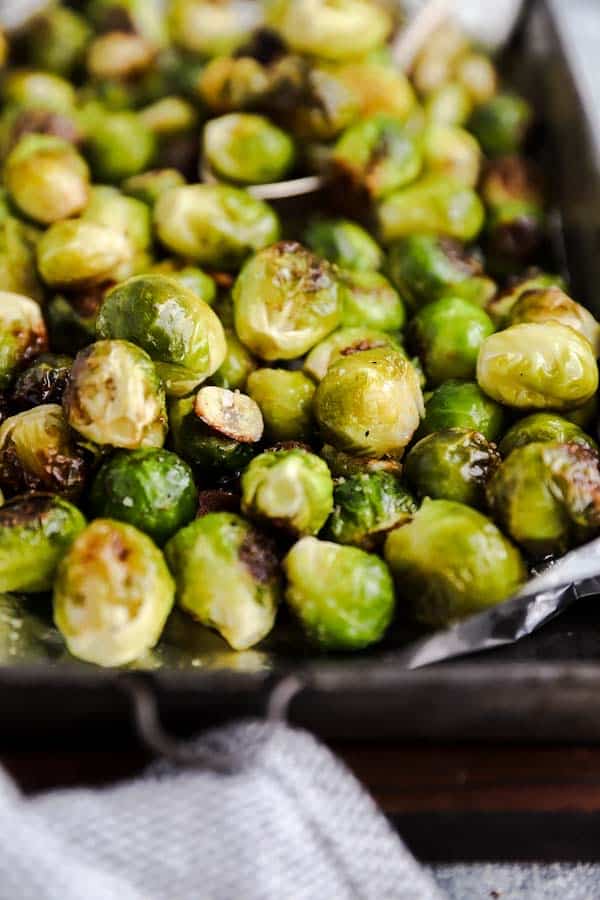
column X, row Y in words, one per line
column 544, row 427
column 228, row 84
column 342, row 596
column 56, row 39
column 153, row 490
column 212, row 29
column 499, row 308
column 285, row 399
column 148, row 186
column 345, row 342
column 554, row 305
column 434, row 204
column 38, row 453
column 379, row 89
column 462, row 404
column 369, row 403
column 538, row 366
column 72, row 319
column 115, row 396
column 451, row 561
column 179, row 331
column 500, row 124
column 370, row 301
column 112, row 595
column 247, row 149
column 545, row 496
column 35, row 532
column 22, row 334
column 46, row 178
column 324, row 104
column 344, row 243
column 119, row 145
column 78, row 254
column 511, row 191
column 226, row 575
column 291, row 489
column 285, row 301
column 452, row 152
column 215, row 225
column 366, row 506
column 344, row 465
column 237, row 365
column 214, row 452
column 447, row 335
column 454, row 464
column 44, row 381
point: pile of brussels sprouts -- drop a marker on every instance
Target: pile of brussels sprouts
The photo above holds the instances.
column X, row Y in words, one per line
column 368, row 405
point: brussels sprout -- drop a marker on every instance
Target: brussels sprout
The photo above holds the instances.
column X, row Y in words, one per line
column 447, row 335
column 210, row 450
column 119, row 146
column 46, row 178
column 336, row 32
column 370, row 301
column 377, row 155
column 454, row 464
column 191, row 277
column 247, row 148
column 179, row 331
column 342, row 596
column 500, row 125
column 323, row 107
column 169, row 117
column 228, row 84
column 108, row 206
column 56, row 39
column 545, row 496
column 145, row 17
column 72, row 320
column 544, row 427
column 477, row 73
column 212, row 29
column 366, row 506
column 18, row 274
column 462, row 404
column 345, row 342
column 44, row 381
column 500, row 307
column 153, row 490
column 38, row 453
column 345, row 243
column 22, row 334
column 291, row 489
column 230, row 413
column 148, row 186
column 42, row 90
column 112, row 595
column 119, row 55
column 515, row 212
column 538, row 366
column 285, row 301
column 379, row 89
column 115, row 396
column 226, row 573
column 449, row 104
column 452, row 152
column 434, row 204
column 451, row 561
column 285, row 400
column 437, row 59
column 237, row 365
column 79, row 254
column 215, row 225
column 552, row 304
column 369, row 403
column 344, row 465
column 35, row 532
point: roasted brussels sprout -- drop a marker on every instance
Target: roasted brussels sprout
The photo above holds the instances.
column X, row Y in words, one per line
column 370, row 301
column 342, row 596
column 38, row 453
column 344, row 465
column 56, row 39
column 22, row 334
column 451, row 561
column 434, row 204
column 35, row 532
column 153, row 490
column 46, row 178
column 148, row 186
column 379, row 89
column 545, row 496
column 78, row 254
column 191, row 277
column 477, row 73
column 285, row 399
column 210, row 449
column 228, row 84
column 119, row 56
column 179, row 331
column 247, row 149
column 454, row 464
column 448, row 104
column 538, row 366
column 462, row 404
column 447, row 335
column 115, row 396
column 108, row 206
column 544, row 427
column 36, row 89
column 285, row 301
column 552, row 304
column 215, row 225
column 321, row 105
column 366, row 506
column 437, row 58
column 345, row 342
column 170, row 117
column 511, row 191
column 72, row 319
column 369, row 403
column 145, row 17
column 500, row 306
column 345, row 243
column 212, row 29
column 44, row 381
column 112, row 595
column 119, row 145
column 501, row 124
column 237, row 365
column 290, row 489
column 18, row 273
column 452, row 152
column 226, row 575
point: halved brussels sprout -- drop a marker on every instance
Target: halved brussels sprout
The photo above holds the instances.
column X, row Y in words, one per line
column 22, row 334
column 119, row 145
column 153, row 490
column 285, row 399
column 501, row 124
column 344, row 243
column 345, row 342
column 212, row 29
column 290, row 489
column 38, row 453
column 44, row 381
column 46, row 178
column 148, row 186
column 379, row 89
column 112, row 595
column 247, row 148
column 448, row 104
column 226, row 573
column 36, row 89
column 76, row 254
column 230, row 413
column 345, row 465
column 198, row 443
column 366, row 506
column 119, row 56
column 215, row 225
column 115, row 396
column 545, row 496
column 447, row 335
column 544, row 427
column 179, row 331
column 370, row 301
column 108, row 206
column 285, row 301
column 237, row 365
column 462, row 404
column 72, row 319
column 434, row 204
column 56, row 39
column 342, row 596
column 370, row 403
column 227, row 84
column 538, row 366
column 477, row 73
column 35, row 532
column 170, row 117
column 454, row 464
column 437, row 58
column 451, row 561
column 452, row 152
column 499, row 307
column 552, row 304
